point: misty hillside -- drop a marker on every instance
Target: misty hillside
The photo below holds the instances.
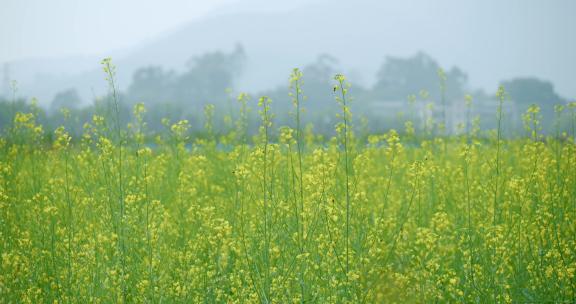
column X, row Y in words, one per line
column 276, row 41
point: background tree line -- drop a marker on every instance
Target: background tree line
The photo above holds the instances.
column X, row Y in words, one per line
column 210, row 79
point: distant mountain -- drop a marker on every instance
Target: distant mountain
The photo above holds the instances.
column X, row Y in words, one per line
column 487, row 42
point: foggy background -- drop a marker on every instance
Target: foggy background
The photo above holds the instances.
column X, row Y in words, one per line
column 179, row 55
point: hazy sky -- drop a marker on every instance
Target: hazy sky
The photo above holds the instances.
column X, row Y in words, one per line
column 57, row 28
column 491, row 40
column 47, row 28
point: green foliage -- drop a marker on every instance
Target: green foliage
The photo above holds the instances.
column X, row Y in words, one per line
column 119, row 214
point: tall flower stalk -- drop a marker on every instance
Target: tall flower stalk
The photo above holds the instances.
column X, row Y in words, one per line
column 342, row 87
column 110, row 71
column 264, row 105
column 501, row 95
column 297, row 97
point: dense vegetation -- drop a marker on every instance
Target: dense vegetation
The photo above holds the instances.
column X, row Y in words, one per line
column 119, row 214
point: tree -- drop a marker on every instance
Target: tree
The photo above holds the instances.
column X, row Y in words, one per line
column 152, row 85
column 68, row 99
column 205, row 81
column 208, row 76
column 400, row 77
column 317, row 88
column 321, row 71
column 530, row 90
